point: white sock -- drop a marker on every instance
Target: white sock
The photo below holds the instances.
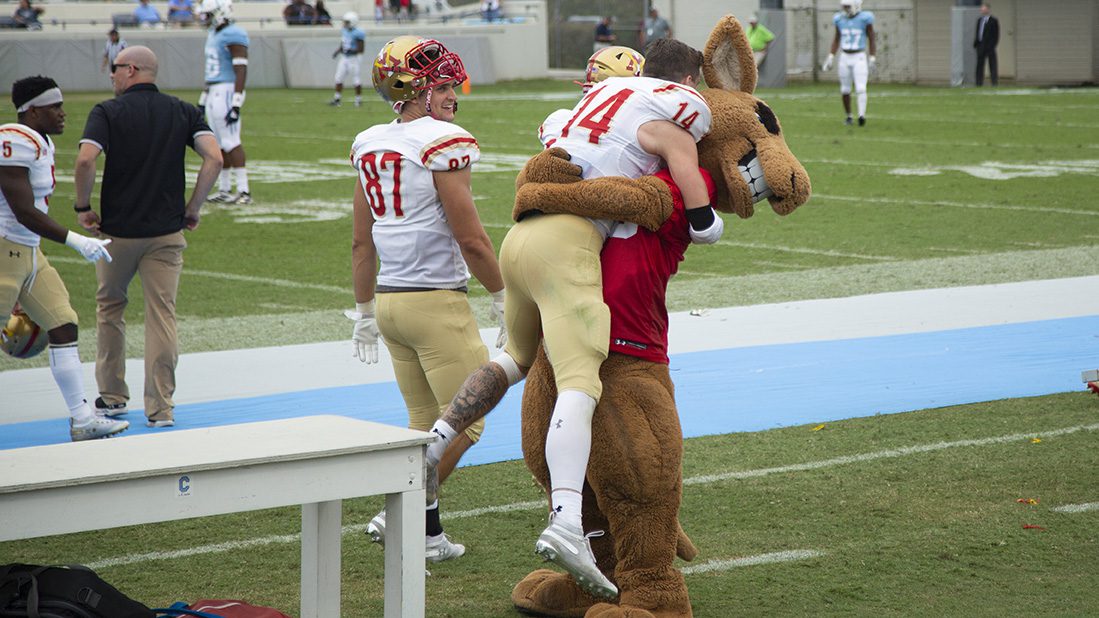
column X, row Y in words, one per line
column 862, row 104
column 568, row 446
column 242, row 179
column 436, row 449
column 336, row 96
column 65, row 366
column 225, row 180
column 358, row 99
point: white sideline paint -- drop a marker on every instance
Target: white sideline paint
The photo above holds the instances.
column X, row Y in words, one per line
column 694, row 480
column 1076, row 508
column 778, row 556
column 216, row 376
column 977, row 206
column 886, row 454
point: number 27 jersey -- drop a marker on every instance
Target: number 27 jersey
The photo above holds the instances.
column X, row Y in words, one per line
column 395, row 162
column 601, row 133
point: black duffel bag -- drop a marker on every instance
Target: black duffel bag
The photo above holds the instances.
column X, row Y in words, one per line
column 32, row 591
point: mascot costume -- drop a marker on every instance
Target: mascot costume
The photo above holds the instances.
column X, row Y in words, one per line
column 634, row 478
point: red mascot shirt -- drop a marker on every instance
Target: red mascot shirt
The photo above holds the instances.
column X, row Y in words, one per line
column 637, row 265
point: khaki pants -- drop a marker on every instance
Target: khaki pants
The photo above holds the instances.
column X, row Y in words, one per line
column 554, row 280
column 433, row 340
column 158, row 261
column 26, row 277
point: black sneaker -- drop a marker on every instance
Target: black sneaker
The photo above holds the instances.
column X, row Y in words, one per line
column 848, row 121
column 103, row 408
column 862, row 121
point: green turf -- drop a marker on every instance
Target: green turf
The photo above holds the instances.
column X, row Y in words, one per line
column 931, row 531
column 866, row 229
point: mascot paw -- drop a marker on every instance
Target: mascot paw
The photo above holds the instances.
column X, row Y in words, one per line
column 550, row 166
column 549, row 593
column 606, row 610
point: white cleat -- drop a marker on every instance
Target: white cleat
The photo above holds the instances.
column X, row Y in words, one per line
column 98, row 427
column 376, row 529
column 570, row 549
column 440, row 548
column 222, row 197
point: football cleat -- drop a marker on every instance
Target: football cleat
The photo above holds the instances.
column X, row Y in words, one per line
column 21, row 337
column 222, row 197
column 103, row 408
column 244, row 198
column 376, row 529
column 98, row 427
column 157, row 424
column 408, row 65
column 335, row 103
column 570, row 549
column 440, row 548
column 862, row 121
column 848, row 121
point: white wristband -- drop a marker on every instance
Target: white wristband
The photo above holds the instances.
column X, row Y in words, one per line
column 202, row 98
column 365, row 308
column 238, row 100
column 498, row 296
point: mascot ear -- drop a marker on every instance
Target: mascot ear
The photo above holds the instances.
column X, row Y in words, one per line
column 727, row 61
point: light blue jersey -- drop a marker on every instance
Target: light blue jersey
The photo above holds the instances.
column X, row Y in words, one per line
column 853, row 29
column 348, row 36
column 219, row 63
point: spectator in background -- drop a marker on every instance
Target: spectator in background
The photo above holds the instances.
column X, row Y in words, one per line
column 654, row 27
column 145, row 134
column 181, row 12
column 379, row 11
column 760, row 38
column 604, row 37
column 114, row 45
column 322, row 18
column 490, row 10
column 26, row 16
column 146, row 14
column 985, row 41
column 299, row 13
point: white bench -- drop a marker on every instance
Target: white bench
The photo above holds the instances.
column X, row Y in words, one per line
column 314, row 461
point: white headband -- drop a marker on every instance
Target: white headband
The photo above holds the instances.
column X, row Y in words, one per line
column 49, row 97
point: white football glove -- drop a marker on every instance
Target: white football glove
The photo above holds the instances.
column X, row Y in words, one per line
column 498, row 313
column 91, row 248
column 872, row 63
column 827, row 66
column 364, row 337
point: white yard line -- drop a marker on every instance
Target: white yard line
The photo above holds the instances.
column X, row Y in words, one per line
column 1072, row 211
column 807, row 251
column 696, row 480
column 1076, row 508
column 771, row 558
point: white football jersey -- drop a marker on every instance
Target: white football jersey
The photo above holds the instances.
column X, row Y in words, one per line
column 550, row 129
column 601, row 133
column 395, row 162
column 22, row 146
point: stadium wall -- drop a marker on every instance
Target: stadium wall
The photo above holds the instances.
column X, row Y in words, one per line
column 279, row 56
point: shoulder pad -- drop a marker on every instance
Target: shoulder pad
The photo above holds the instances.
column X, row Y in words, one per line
column 20, row 145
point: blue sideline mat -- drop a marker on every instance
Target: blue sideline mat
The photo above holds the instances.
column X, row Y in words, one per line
column 742, row 389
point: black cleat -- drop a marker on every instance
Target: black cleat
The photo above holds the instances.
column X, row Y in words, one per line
column 862, row 121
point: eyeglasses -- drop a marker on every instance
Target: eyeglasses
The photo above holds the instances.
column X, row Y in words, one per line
column 115, row 67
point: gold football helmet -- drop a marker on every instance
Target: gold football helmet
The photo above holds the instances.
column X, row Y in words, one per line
column 615, row 61
column 409, row 65
column 22, row 338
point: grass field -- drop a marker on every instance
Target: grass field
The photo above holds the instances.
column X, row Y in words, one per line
column 905, row 514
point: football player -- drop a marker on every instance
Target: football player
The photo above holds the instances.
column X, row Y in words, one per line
column 26, row 277
column 616, row 61
column 350, row 52
column 622, row 127
column 414, row 213
column 854, row 34
column 223, row 98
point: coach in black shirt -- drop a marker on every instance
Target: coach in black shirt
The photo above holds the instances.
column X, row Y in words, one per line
column 144, row 134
